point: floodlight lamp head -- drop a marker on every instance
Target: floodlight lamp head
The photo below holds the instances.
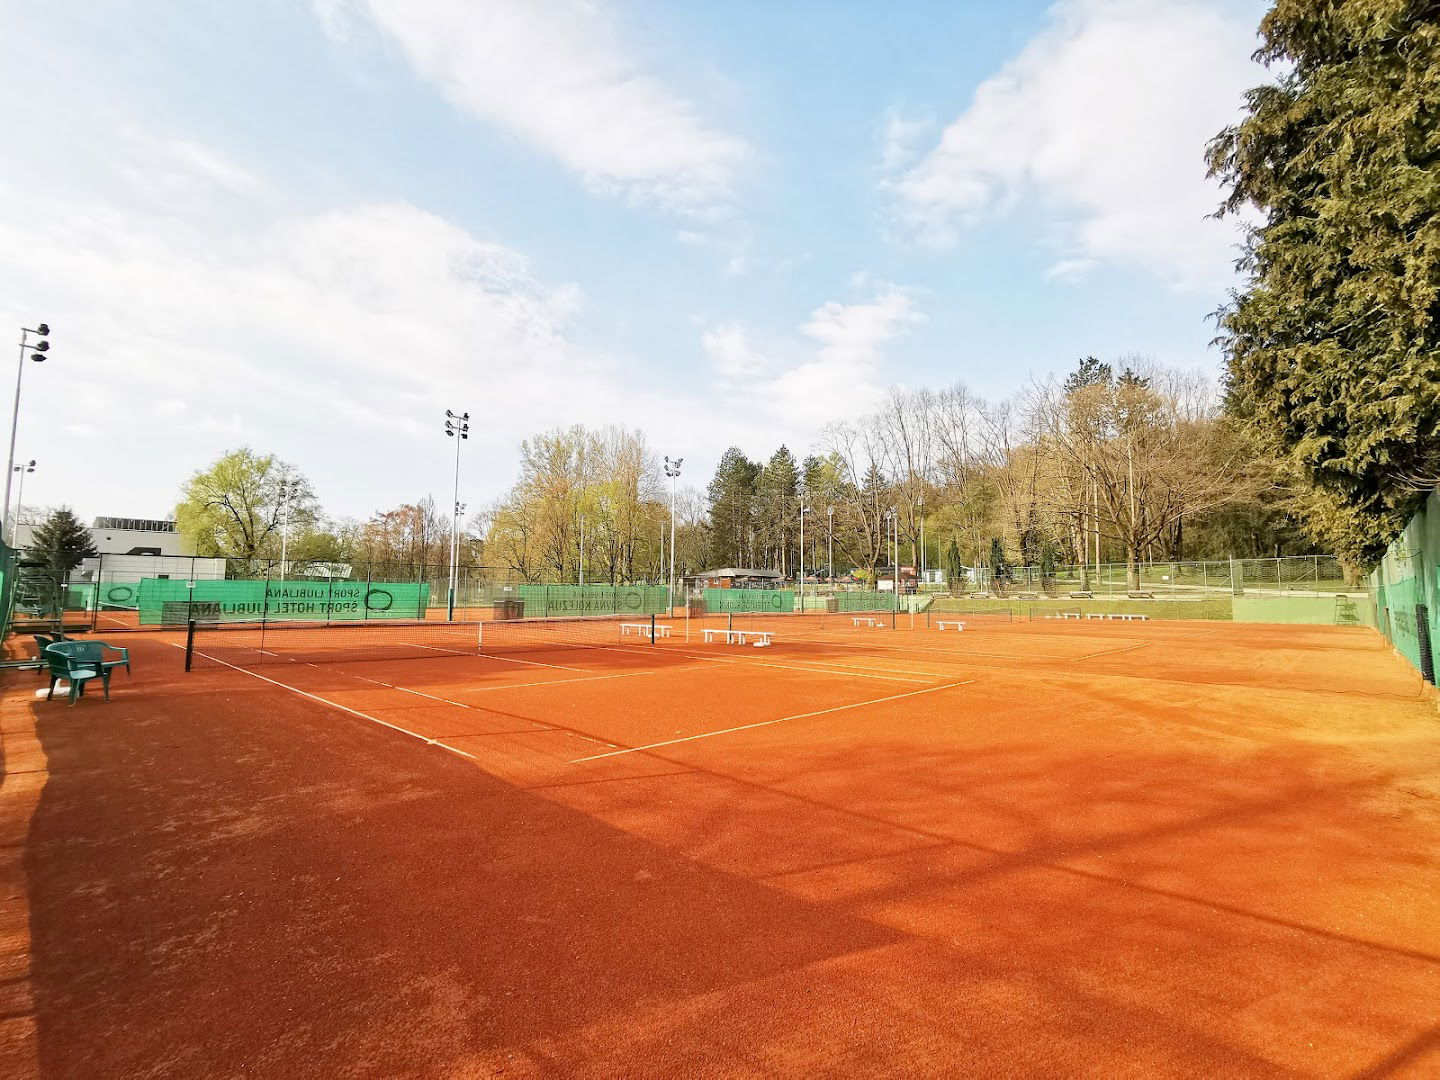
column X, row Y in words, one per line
column 43, row 329
column 42, row 346
column 38, row 357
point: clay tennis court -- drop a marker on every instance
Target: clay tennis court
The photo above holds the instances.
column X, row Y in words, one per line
column 1178, row 849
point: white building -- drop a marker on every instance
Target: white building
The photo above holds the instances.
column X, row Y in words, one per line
column 124, row 536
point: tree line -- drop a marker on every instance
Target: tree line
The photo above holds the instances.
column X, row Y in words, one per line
column 1128, row 462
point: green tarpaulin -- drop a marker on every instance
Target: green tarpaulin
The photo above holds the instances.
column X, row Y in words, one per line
column 237, row 600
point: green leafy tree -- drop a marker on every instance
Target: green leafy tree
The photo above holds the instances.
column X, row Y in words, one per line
column 954, row 567
column 731, row 510
column 234, row 508
column 777, row 509
column 1334, row 344
column 1001, row 572
column 61, row 542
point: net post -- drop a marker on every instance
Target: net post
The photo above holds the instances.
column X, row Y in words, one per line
column 189, row 643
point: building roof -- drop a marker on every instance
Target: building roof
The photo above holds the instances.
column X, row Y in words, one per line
column 739, row 571
column 134, row 524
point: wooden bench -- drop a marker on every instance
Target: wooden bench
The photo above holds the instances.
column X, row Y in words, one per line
column 1027, row 596
column 1066, row 615
column 941, row 624
column 738, row 637
column 1141, row 595
column 1082, row 595
column 642, row 629
column 864, row 620
column 1127, row 617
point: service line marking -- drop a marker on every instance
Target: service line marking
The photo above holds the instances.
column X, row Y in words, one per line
column 780, row 666
column 507, row 659
column 1110, row 652
column 559, row 682
column 778, row 720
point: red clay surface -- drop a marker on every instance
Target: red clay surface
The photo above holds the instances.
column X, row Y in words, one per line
column 1030, row 849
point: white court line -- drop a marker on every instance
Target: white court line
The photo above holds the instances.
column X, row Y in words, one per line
column 780, row 720
column 507, row 659
column 773, row 664
column 561, row 682
column 392, row 686
column 1110, row 652
column 333, row 704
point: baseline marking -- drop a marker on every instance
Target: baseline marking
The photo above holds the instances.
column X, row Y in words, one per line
column 778, row 720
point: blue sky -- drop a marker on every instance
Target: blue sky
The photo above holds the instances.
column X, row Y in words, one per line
column 311, row 227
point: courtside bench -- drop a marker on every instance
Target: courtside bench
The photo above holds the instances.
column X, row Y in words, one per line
column 642, row 629
column 738, row 637
column 941, row 624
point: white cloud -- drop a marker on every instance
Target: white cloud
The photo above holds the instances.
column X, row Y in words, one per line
column 731, row 353
column 899, row 138
column 556, row 75
column 831, row 371
column 1102, row 118
column 336, row 339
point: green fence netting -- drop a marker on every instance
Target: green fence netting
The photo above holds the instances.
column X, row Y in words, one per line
column 7, row 587
column 1407, row 589
column 723, row 600
column 551, row 600
column 169, row 600
column 866, row 601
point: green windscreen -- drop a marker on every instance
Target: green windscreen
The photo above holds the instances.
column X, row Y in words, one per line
column 723, row 600
column 866, row 601
column 551, row 600
column 1407, row 584
column 160, row 598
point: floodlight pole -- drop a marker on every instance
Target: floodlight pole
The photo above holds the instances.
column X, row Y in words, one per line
column 803, row 511
column 895, row 553
column 922, row 539
column 41, row 346
column 830, row 516
column 287, row 492
column 672, row 470
column 20, row 493
column 456, row 424
column 582, row 549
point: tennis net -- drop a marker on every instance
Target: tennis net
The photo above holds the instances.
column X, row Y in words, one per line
column 250, row 644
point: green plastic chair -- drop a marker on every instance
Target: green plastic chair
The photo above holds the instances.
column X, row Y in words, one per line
column 93, row 654
column 66, row 662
